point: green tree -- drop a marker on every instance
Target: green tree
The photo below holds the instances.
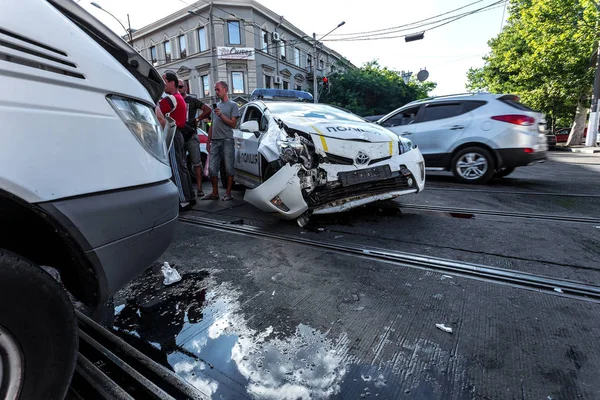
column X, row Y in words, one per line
column 372, row 90
column 543, row 55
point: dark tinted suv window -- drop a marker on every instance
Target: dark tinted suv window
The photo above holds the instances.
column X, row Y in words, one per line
column 437, row 111
column 470, row 105
column 402, row 118
column 516, row 104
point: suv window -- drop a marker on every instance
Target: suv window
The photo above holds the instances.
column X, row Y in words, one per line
column 470, row 105
column 516, row 104
column 437, row 111
column 404, row 117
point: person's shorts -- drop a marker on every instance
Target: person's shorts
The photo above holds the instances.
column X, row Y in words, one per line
column 192, row 146
column 221, row 149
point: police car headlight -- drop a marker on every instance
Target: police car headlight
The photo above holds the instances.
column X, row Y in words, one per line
column 143, row 124
column 404, row 145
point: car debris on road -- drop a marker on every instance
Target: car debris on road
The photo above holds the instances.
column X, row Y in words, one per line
column 444, row 328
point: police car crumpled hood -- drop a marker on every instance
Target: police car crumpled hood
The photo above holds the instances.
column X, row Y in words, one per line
column 341, row 129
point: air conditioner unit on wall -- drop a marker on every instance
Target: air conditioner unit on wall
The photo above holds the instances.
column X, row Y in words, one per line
column 278, row 80
column 276, row 37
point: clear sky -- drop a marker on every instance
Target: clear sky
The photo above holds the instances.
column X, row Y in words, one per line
column 447, row 52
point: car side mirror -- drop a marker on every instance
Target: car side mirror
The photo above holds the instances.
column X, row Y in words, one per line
column 250, row 126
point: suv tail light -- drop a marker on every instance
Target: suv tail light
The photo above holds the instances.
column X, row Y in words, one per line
column 517, row 119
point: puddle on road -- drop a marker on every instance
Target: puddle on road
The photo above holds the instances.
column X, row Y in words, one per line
column 198, row 330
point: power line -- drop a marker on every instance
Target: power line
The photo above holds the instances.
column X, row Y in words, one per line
column 448, row 20
column 409, row 24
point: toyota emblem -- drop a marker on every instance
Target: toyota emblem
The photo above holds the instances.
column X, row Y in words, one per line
column 361, row 159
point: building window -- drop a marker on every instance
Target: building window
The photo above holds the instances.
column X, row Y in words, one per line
column 321, row 64
column 167, row 51
column 233, row 27
column 205, row 86
column 298, row 87
column 296, row 56
column 264, row 41
column 237, row 78
column 182, row 47
column 308, row 61
column 202, row 39
column 153, row 55
column 268, row 81
column 332, row 68
column 286, row 85
column 282, row 50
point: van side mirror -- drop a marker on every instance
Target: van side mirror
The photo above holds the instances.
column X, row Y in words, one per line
column 250, row 126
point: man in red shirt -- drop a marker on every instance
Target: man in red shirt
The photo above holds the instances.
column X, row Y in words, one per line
column 174, row 106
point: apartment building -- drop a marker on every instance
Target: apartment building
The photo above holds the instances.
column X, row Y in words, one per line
column 240, row 42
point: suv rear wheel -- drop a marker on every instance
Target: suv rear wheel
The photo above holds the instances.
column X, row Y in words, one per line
column 38, row 332
column 473, row 165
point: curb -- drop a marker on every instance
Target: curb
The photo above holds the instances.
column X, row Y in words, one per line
column 587, row 150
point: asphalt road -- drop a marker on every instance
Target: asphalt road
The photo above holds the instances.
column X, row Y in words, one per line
column 269, row 310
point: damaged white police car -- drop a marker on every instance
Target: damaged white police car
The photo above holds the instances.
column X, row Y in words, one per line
column 298, row 159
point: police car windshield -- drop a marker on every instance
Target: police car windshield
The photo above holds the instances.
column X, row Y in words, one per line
column 307, row 110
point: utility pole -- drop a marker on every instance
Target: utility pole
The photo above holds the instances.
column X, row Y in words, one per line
column 214, row 58
column 592, row 129
column 314, row 67
column 277, row 44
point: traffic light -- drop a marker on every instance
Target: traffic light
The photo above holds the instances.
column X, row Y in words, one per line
column 325, row 83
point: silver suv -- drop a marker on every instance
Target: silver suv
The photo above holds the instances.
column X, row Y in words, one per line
column 477, row 136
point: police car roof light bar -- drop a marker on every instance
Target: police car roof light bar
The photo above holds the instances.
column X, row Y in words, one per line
column 281, row 95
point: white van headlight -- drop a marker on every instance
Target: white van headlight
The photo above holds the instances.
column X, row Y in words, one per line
column 141, row 120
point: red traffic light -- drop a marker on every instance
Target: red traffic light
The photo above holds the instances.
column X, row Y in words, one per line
column 325, row 80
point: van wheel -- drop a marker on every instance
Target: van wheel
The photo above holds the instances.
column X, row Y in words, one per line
column 38, row 332
column 502, row 172
column 473, row 165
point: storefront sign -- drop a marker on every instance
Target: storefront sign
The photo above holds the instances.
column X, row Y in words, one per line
column 235, row 53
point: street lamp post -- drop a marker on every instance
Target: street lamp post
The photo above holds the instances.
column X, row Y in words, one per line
column 128, row 30
column 316, row 62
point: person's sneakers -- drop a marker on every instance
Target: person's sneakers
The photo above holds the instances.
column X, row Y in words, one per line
column 227, row 197
column 185, row 207
column 193, row 202
column 200, row 193
column 210, row 196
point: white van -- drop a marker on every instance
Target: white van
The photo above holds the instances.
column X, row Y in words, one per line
column 84, row 183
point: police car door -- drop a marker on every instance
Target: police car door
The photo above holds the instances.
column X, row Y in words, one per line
column 246, row 149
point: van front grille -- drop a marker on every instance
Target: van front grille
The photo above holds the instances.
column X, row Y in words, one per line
column 20, row 50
